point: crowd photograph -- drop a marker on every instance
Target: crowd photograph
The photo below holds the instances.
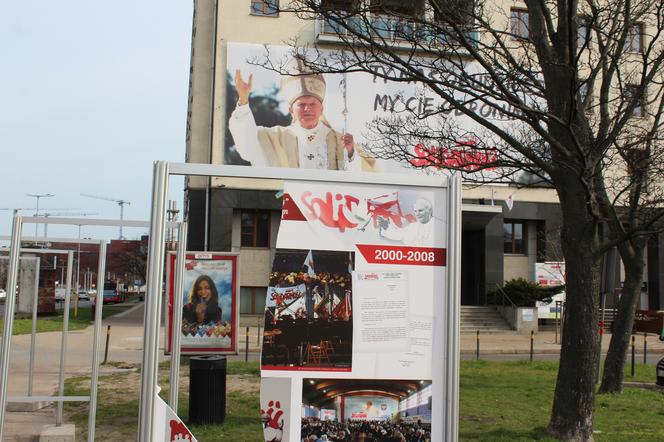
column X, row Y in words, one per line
column 309, row 314
column 315, row 430
column 367, row 410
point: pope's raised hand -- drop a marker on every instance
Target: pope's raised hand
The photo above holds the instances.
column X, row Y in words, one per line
column 349, row 142
column 243, row 88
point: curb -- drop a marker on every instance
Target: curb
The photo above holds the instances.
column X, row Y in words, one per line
column 129, row 310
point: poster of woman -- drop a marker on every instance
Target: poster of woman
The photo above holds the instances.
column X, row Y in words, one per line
column 209, row 303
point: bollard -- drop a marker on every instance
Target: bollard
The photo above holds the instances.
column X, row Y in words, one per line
column 477, row 357
column 645, row 348
column 246, row 346
column 633, row 353
column 258, row 333
column 532, row 340
column 108, row 337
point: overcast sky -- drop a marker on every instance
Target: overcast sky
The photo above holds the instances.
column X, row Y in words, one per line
column 92, row 93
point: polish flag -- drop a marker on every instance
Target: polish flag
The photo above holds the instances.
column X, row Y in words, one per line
column 388, row 207
column 509, row 202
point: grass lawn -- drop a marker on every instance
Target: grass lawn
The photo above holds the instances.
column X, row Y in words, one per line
column 54, row 323
column 511, row 401
column 500, row 401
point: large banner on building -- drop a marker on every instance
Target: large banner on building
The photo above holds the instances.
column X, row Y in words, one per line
column 349, row 323
column 210, row 303
column 327, row 121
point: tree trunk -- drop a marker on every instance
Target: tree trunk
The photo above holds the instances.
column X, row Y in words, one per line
column 614, row 364
column 573, row 404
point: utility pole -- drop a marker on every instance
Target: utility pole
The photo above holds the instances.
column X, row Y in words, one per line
column 38, row 195
column 172, row 217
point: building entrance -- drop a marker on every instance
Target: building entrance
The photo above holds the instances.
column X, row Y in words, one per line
column 473, row 282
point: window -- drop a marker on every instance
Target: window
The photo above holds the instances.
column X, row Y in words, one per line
column 413, row 8
column 391, row 17
column 632, row 90
column 255, row 230
column 514, row 237
column 583, row 32
column 252, row 300
column 634, row 41
column 341, row 8
column 519, row 23
column 584, row 91
column 456, row 11
column 265, row 7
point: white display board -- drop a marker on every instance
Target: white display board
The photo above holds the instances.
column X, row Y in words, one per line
column 550, row 274
column 352, row 303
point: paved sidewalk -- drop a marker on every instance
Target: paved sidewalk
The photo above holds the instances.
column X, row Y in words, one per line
column 126, row 345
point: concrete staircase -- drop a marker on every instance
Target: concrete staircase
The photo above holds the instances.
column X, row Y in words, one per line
column 486, row 319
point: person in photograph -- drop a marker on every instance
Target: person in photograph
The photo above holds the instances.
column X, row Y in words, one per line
column 203, row 306
column 308, row 142
column 418, row 233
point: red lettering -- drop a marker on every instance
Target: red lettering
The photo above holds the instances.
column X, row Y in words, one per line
column 332, row 212
column 465, row 155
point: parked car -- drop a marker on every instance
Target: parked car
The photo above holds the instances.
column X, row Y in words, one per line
column 112, row 297
column 83, row 295
column 3, row 295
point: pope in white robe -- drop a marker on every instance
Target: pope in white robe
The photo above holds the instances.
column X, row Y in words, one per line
column 308, row 142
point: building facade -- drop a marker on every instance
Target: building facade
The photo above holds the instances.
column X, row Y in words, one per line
column 499, row 242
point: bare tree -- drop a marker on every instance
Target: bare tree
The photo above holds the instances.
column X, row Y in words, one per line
column 569, row 92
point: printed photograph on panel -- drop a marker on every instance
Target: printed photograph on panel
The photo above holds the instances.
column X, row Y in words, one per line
column 275, row 409
column 308, row 312
column 366, row 410
column 209, row 304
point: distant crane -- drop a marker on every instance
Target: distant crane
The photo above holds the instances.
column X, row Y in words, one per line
column 121, row 203
column 47, row 214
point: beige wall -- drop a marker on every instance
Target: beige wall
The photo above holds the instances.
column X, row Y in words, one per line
column 200, row 88
column 516, row 266
column 255, row 262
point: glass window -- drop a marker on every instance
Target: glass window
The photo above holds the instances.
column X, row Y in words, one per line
column 252, row 300
column 630, row 91
column 519, row 23
column 514, row 237
column 583, row 32
column 255, row 228
column 634, row 41
column 265, row 7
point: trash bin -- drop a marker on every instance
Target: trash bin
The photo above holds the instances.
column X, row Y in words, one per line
column 207, row 389
column 660, row 372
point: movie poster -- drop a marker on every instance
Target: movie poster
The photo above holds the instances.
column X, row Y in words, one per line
column 210, row 303
column 349, row 313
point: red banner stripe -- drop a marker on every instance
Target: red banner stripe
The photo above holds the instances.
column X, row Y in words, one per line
column 403, row 255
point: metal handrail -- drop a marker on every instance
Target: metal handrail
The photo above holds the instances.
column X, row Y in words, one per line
column 504, row 296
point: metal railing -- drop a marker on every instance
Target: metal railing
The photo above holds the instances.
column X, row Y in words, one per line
column 503, row 296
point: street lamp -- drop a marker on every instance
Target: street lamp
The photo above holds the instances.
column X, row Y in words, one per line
column 38, row 195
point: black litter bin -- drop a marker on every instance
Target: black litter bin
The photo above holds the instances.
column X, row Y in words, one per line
column 207, row 389
column 660, row 372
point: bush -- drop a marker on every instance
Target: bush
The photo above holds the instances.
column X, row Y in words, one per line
column 524, row 293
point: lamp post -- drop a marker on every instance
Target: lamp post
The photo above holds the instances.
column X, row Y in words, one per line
column 38, row 195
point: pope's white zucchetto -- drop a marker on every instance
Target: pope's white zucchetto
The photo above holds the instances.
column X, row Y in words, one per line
column 301, row 83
